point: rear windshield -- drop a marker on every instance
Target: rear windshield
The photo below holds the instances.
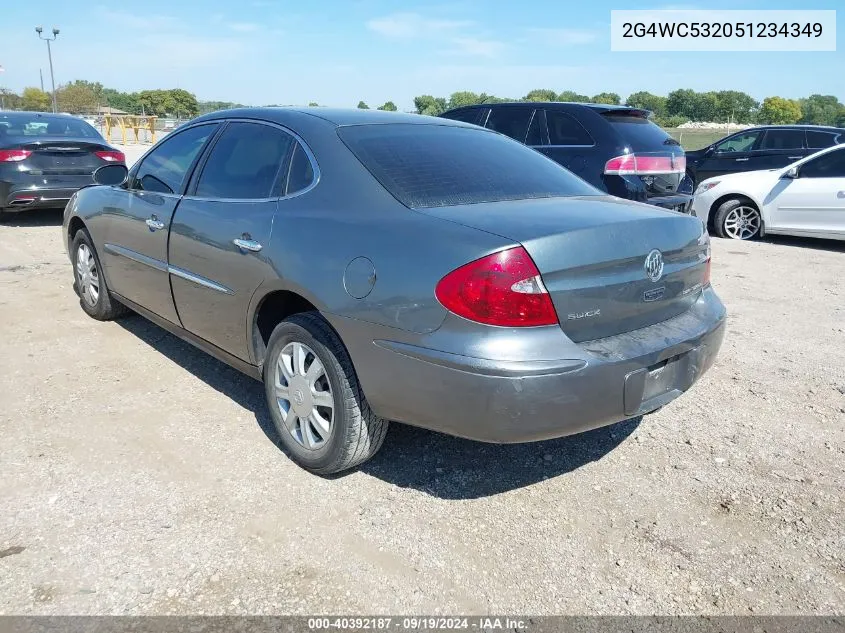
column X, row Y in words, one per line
column 22, row 124
column 437, row 165
column 639, row 133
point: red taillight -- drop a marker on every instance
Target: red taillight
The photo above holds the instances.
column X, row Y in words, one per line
column 503, row 289
column 645, row 165
column 13, row 155
column 111, row 156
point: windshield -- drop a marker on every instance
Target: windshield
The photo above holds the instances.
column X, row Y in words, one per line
column 438, row 165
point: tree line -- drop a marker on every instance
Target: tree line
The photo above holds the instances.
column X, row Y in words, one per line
column 85, row 97
column 672, row 110
column 676, row 108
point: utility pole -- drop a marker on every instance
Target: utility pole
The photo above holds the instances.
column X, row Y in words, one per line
column 39, row 30
column 41, row 77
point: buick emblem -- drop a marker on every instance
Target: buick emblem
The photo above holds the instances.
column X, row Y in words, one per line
column 654, row 265
column 298, row 398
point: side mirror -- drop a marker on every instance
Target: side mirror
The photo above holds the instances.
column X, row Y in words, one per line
column 710, row 150
column 111, row 175
column 791, row 173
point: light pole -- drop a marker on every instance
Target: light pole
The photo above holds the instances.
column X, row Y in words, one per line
column 39, row 30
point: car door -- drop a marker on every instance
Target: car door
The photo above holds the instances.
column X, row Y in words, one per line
column 814, row 201
column 135, row 248
column 778, row 148
column 219, row 232
column 566, row 142
column 728, row 156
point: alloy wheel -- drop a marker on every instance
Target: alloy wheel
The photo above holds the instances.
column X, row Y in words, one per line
column 742, row 223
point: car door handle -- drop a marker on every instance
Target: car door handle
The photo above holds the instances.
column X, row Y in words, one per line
column 793, row 157
column 154, row 223
column 741, row 160
column 247, row 244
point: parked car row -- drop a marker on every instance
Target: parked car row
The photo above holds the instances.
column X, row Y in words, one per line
column 805, row 198
column 372, row 266
column 773, row 179
column 616, row 149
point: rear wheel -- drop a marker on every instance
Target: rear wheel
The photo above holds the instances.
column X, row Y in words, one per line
column 89, row 282
column 738, row 219
column 315, row 401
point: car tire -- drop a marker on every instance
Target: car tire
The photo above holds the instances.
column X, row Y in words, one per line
column 322, row 439
column 738, row 219
column 88, row 280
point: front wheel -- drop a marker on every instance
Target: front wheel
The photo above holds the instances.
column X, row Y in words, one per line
column 89, row 282
column 738, row 219
column 315, row 401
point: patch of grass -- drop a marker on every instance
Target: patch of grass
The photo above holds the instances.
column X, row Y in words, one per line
column 691, row 139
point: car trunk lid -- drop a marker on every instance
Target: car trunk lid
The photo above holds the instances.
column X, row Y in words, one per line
column 64, row 157
column 592, row 255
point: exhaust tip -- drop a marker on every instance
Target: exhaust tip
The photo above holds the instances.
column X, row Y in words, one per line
column 19, row 202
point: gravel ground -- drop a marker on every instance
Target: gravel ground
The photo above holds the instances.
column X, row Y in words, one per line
column 139, row 476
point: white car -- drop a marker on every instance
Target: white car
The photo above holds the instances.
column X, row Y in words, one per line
column 806, row 198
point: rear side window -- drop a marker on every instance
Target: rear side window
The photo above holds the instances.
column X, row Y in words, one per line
column 244, row 162
column 436, row 166
column 820, row 140
column 640, row 134
column 301, row 173
column 467, row 116
column 564, row 130
column 783, row 139
column 510, row 121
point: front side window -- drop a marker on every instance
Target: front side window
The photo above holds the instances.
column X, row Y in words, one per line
column 165, row 169
column 244, row 162
column 510, row 121
column 783, row 139
column 830, row 165
column 739, row 142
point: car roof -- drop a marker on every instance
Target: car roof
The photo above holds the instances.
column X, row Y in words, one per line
column 796, row 126
column 26, row 114
column 604, row 107
column 292, row 116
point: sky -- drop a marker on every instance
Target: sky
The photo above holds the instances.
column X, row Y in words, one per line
column 337, row 52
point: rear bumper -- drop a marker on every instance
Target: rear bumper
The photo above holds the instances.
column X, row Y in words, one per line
column 20, row 197
column 508, row 401
column 681, row 203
